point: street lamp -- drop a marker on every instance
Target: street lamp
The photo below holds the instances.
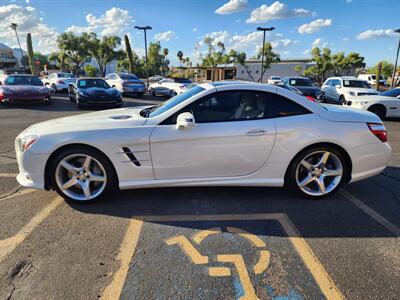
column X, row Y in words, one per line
column 395, row 64
column 14, row 26
column 145, row 28
column 264, row 29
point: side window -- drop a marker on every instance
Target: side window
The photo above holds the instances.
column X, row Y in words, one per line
column 328, row 82
column 279, row 106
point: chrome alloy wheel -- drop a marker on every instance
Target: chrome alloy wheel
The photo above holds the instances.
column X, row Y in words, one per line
column 319, row 173
column 80, row 177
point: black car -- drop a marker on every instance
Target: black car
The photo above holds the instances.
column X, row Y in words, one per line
column 306, row 86
column 94, row 91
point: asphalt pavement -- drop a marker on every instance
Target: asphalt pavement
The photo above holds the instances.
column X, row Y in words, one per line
column 196, row 243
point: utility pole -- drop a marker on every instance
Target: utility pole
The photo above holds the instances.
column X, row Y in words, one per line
column 395, row 65
column 264, row 29
column 14, row 26
column 145, row 28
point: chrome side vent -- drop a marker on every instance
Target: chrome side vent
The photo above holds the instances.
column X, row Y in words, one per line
column 131, row 156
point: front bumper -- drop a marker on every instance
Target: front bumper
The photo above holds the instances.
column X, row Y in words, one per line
column 31, row 169
column 98, row 101
column 26, row 100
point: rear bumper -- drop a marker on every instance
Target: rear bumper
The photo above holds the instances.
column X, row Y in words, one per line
column 369, row 160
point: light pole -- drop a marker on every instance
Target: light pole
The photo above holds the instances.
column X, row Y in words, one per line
column 264, row 29
column 395, row 64
column 145, row 28
column 14, row 26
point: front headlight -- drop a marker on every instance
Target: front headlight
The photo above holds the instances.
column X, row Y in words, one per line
column 82, row 93
column 25, row 142
column 351, row 93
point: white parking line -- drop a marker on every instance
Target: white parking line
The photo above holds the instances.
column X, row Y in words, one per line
column 8, row 245
column 8, row 175
column 372, row 213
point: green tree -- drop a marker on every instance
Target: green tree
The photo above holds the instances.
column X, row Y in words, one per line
column 180, row 56
column 354, row 61
column 58, row 60
column 76, row 49
column 90, row 71
column 269, row 56
column 155, row 59
column 129, row 54
column 323, row 64
column 104, row 50
column 298, row 69
column 387, row 69
column 30, row 54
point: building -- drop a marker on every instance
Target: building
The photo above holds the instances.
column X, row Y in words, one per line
column 251, row 69
column 7, row 58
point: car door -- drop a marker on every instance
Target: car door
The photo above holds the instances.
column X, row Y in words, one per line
column 336, row 85
column 231, row 138
column 326, row 88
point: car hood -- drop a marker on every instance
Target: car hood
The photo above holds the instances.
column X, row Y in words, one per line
column 372, row 98
column 22, row 89
column 101, row 120
column 308, row 89
column 361, row 90
column 338, row 113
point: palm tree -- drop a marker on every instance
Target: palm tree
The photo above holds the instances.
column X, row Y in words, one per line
column 165, row 52
column 180, row 56
column 14, row 26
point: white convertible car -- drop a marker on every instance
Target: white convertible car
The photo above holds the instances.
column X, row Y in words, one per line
column 385, row 105
column 214, row 134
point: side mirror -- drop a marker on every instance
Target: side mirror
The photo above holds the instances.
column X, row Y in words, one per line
column 185, row 121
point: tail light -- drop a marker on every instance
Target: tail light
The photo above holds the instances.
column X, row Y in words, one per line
column 311, row 98
column 379, row 130
column 1, row 95
column 60, row 82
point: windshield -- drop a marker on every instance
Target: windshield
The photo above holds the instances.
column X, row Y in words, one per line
column 23, row 80
column 174, row 101
column 182, row 80
column 128, row 76
column 391, row 93
column 275, row 78
column 65, row 75
column 356, row 84
column 89, row 83
column 374, row 77
column 300, row 82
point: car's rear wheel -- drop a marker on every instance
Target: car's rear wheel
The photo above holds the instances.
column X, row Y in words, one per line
column 341, row 100
column 379, row 110
column 82, row 174
column 317, row 172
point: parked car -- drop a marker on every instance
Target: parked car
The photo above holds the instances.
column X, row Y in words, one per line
column 156, row 78
column 59, row 82
column 5, row 72
column 214, row 134
column 297, row 91
column 306, row 86
column 94, row 91
column 274, row 80
column 169, row 87
column 371, row 79
column 126, row 83
column 386, row 104
column 339, row 89
column 23, row 88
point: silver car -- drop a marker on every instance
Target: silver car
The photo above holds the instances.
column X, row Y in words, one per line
column 126, row 83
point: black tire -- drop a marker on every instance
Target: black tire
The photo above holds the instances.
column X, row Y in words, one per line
column 341, row 100
column 53, row 88
column 71, row 99
column 290, row 176
column 322, row 98
column 379, row 110
column 112, row 179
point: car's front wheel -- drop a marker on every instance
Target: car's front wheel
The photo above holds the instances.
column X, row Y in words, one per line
column 317, row 172
column 82, row 174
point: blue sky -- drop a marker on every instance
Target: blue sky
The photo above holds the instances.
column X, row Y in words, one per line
column 364, row 26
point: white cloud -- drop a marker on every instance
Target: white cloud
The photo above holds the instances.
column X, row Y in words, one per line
column 283, row 43
column 27, row 1
column 28, row 20
column 219, row 36
column 194, row 29
column 349, row 1
column 231, row 7
column 115, row 21
column 319, row 43
column 275, row 11
column 164, row 36
column 314, row 26
column 345, row 39
column 378, row 33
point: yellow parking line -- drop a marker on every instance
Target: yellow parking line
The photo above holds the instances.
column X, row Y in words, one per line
column 8, row 175
column 8, row 245
column 372, row 213
column 188, row 248
column 125, row 255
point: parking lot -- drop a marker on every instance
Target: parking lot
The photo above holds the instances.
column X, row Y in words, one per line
column 196, row 243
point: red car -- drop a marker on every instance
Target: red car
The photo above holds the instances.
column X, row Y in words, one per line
column 21, row 88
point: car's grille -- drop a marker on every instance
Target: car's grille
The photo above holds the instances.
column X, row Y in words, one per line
column 365, row 94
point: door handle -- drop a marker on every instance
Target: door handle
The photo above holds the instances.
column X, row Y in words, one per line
column 256, row 132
